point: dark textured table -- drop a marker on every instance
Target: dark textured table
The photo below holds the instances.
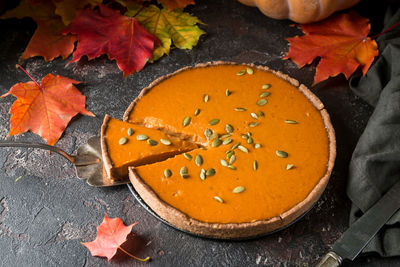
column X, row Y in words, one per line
column 45, row 212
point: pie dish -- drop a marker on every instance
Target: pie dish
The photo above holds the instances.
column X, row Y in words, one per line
column 265, row 149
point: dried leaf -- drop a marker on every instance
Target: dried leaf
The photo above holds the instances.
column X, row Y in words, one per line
column 46, row 109
column 340, row 41
column 111, row 234
column 67, row 9
column 168, row 26
column 106, row 31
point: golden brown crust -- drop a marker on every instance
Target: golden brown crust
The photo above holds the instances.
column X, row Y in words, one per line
column 236, row 230
column 108, row 168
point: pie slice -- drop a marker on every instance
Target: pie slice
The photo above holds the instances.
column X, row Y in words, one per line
column 126, row 144
column 267, row 149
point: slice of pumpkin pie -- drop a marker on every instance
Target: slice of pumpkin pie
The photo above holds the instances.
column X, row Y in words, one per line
column 126, row 144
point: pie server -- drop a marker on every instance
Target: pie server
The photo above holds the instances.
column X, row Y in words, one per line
column 87, row 161
column 360, row 233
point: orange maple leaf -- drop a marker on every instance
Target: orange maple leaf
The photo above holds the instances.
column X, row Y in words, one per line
column 341, row 42
column 106, row 31
column 172, row 4
column 45, row 109
column 111, row 234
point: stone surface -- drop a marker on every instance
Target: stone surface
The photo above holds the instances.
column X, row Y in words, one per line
column 45, row 212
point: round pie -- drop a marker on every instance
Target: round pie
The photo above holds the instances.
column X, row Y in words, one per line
column 265, row 149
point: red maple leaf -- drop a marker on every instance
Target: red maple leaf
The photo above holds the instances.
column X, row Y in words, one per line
column 106, row 31
column 111, row 234
column 342, row 43
column 45, row 108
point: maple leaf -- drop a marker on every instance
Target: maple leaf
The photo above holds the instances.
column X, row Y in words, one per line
column 45, row 109
column 172, row 4
column 111, row 234
column 47, row 41
column 106, row 31
column 67, row 8
column 340, row 41
column 168, row 26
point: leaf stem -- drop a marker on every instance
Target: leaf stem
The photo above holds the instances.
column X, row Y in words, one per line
column 19, row 66
column 385, row 31
column 130, row 255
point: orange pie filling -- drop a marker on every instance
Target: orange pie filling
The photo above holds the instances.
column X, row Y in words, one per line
column 266, row 145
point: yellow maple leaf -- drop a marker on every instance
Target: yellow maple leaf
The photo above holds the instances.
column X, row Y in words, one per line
column 66, row 9
column 169, row 26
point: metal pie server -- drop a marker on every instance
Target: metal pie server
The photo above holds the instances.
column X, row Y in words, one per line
column 87, row 161
column 360, row 233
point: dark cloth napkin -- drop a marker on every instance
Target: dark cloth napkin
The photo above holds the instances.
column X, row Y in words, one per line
column 375, row 164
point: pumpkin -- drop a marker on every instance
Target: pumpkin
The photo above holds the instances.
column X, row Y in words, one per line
column 300, row 11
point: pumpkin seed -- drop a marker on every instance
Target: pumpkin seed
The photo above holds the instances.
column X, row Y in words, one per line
column 281, row 154
column 248, row 134
column 253, row 124
column 250, row 140
column 184, row 172
column 152, row 142
column 213, row 121
column 245, row 136
column 236, row 145
column 218, row 199
column 265, row 94
column 249, row 70
column 130, row 131
column 256, row 146
column 213, row 136
column 289, row 166
column 206, row 98
column 224, row 163
column 165, row 142
column 238, row 189
column 227, row 141
column 243, row 149
column 266, row 86
column 240, row 109
column 198, row 160
column 216, row 143
column 291, row 122
column 229, row 128
column 262, row 102
column 232, row 159
column 225, row 136
column 240, row 72
column 187, row 156
column 230, row 154
column 210, row 172
column 186, row 121
column 197, row 112
column 123, row 141
column 261, row 114
column 255, row 165
column 142, row 137
column 227, row 92
column 254, row 115
column 167, row 173
column 203, row 174
column 232, row 167
column 208, row 132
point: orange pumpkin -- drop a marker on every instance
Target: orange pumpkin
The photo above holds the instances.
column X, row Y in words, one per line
column 300, row 11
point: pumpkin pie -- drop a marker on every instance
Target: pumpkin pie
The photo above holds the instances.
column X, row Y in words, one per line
column 266, row 149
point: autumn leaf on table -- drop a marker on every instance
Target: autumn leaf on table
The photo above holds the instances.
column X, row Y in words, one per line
column 106, row 31
column 172, row 4
column 168, row 26
column 47, row 41
column 341, row 42
column 45, row 109
column 111, row 234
